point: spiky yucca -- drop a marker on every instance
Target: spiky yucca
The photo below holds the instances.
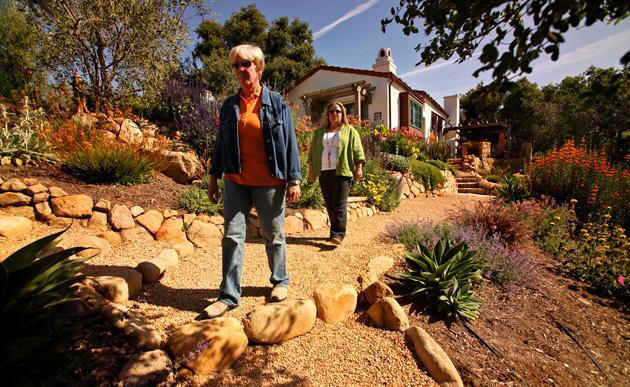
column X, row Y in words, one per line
column 34, row 282
column 445, row 276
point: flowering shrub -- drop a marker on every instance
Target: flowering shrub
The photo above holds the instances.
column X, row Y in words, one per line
column 22, row 137
column 552, row 225
column 599, row 253
column 188, row 104
column 501, row 264
column 436, row 150
column 402, row 141
column 377, row 186
column 70, row 137
column 574, row 172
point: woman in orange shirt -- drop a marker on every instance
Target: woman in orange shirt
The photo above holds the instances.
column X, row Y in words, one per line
column 256, row 154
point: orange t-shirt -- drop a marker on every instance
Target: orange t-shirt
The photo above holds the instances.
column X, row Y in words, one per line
column 254, row 164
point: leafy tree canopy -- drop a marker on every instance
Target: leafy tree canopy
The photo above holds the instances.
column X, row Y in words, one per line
column 288, row 48
column 591, row 106
column 121, row 48
column 20, row 50
column 510, row 33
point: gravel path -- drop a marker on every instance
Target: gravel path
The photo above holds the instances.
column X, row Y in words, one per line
column 348, row 353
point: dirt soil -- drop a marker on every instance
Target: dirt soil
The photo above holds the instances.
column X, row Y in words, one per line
column 521, row 323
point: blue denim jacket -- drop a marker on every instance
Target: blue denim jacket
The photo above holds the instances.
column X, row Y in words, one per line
column 278, row 136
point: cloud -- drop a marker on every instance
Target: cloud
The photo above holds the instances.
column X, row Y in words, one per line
column 425, row 69
column 614, row 43
column 348, row 15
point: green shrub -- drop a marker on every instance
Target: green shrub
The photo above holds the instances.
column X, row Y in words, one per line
column 396, row 163
column 496, row 220
column 22, row 139
column 429, row 175
column 195, row 200
column 493, row 178
column 310, row 191
column 512, row 189
column 34, row 282
column 441, row 165
column 103, row 164
column 445, row 275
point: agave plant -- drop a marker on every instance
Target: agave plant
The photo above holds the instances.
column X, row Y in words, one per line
column 34, row 282
column 445, row 276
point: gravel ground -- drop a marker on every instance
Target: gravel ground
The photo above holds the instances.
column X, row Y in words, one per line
column 348, row 353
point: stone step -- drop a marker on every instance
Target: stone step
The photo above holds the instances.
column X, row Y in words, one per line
column 467, row 185
column 478, row 191
column 466, row 179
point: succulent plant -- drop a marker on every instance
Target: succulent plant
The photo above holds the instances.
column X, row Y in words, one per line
column 445, row 275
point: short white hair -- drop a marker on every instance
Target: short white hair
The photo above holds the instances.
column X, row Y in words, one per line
column 248, row 52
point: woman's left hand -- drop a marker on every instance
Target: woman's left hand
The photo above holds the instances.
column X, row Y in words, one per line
column 358, row 174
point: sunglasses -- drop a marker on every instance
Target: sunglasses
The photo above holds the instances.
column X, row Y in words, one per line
column 334, row 112
column 242, row 63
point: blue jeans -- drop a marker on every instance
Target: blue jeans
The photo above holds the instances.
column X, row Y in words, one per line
column 237, row 202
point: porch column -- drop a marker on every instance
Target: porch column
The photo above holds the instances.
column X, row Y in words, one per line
column 357, row 101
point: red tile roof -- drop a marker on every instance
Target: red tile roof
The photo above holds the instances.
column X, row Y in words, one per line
column 420, row 94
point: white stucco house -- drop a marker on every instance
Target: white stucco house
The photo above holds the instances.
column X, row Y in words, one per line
column 378, row 95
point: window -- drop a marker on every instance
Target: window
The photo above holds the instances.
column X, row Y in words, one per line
column 415, row 114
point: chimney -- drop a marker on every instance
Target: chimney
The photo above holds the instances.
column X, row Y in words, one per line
column 384, row 61
column 451, row 105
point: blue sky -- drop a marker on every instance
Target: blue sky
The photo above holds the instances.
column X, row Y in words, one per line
column 347, row 33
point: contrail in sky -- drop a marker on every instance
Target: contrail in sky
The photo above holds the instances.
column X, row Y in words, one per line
column 425, row 69
column 348, row 15
column 617, row 42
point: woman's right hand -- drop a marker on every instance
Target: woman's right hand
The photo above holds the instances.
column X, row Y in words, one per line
column 213, row 190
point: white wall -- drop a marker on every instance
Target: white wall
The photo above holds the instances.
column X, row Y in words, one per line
column 325, row 79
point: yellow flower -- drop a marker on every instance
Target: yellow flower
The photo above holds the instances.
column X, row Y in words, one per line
column 557, row 218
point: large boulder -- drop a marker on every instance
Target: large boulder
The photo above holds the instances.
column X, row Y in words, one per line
column 434, row 358
column 84, row 119
column 335, row 303
column 314, row 219
column 274, row 323
column 13, row 226
column 376, row 291
column 153, row 269
column 121, row 287
column 293, row 224
column 72, row 206
column 130, row 133
column 181, row 166
column 204, row 235
column 151, row 220
column 14, row 199
column 172, row 231
column 387, row 313
column 95, row 246
column 380, row 265
column 120, row 217
column 208, row 346
column 147, row 368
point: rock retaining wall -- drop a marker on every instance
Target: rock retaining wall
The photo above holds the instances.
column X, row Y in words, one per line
column 28, row 198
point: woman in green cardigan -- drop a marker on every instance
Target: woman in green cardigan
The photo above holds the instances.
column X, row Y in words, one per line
column 336, row 156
